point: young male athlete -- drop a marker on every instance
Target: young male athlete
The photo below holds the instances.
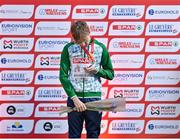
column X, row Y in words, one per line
column 83, row 62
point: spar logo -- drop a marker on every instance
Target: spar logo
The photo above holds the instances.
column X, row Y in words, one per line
column 49, row 110
column 90, row 12
column 162, row 127
column 50, row 94
column 51, row 126
column 52, row 11
column 17, row 44
column 98, row 28
column 16, row 93
column 126, row 127
column 51, row 44
column 47, row 61
column 16, row 27
column 163, row 45
column 162, row 110
column 162, row 12
column 80, row 60
column 126, row 12
column 126, row 28
column 162, row 28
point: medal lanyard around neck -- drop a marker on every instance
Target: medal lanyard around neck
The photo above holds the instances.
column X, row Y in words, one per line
column 89, row 54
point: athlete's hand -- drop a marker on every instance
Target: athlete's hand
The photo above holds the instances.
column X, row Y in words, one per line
column 80, row 106
column 91, row 69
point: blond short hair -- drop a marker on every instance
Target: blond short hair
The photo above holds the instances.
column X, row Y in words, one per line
column 79, row 29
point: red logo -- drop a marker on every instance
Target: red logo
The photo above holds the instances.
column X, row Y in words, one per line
column 55, row 12
column 49, row 108
column 96, row 28
column 165, row 61
column 13, row 92
column 155, row 110
column 160, row 43
column 118, row 93
column 80, row 61
column 88, row 10
column 7, row 42
column 124, row 27
column 128, row 45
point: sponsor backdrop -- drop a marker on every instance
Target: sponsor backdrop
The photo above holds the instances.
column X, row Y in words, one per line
column 143, row 38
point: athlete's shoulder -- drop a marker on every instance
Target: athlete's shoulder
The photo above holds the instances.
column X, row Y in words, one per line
column 68, row 45
column 99, row 44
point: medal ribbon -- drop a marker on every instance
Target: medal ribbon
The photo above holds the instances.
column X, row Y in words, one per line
column 89, row 54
